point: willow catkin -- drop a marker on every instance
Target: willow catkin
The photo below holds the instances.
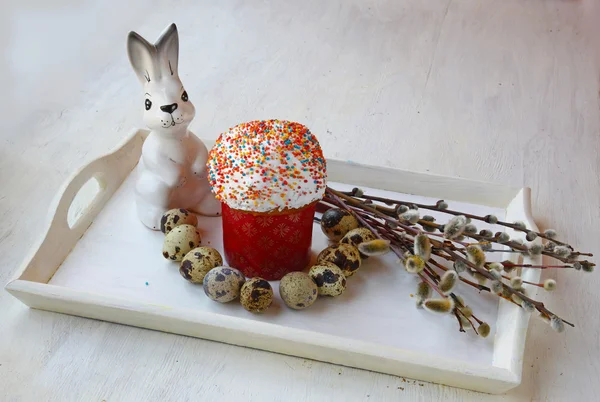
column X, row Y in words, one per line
column 484, row 329
column 495, row 266
column 503, row 237
column 423, row 246
column 374, row 247
column 455, row 227
column 441, row 205
column 516, row 282
column 445, row 305
column 549, row 285
column 521, row 225
column 493, row 219
column 527, row 306
column 414, row 264
column 535, row 249
column 586, row 266
column 562, row 251
column 448, row 282
column 476, row 256
column 470, row 229
column 557, row 324
column 459, row 266
column 467, row 311
column 423, row 290
column 410, row 216
column 496, row 274
column 496, row 287
column 531, row 236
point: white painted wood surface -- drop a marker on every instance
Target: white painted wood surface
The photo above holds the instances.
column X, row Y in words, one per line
column 496, row 91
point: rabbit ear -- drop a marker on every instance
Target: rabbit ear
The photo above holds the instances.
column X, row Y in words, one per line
column 141, row 56
column 168, row 50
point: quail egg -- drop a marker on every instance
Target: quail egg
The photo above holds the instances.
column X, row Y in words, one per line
column 176, row 217
column 330, row 280
column 179, row 241
column 345, row 256
column 256, row 295
column 335, row 223
column 223, row 284
column 297, row 290
column 196, row 264
column 357, row 236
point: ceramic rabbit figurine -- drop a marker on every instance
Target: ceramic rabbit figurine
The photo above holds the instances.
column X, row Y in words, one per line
column 172, row 169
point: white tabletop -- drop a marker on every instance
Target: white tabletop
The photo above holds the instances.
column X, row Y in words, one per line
column 501, row 91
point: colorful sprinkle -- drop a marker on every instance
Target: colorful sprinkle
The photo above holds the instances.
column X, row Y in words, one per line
column 267, row 165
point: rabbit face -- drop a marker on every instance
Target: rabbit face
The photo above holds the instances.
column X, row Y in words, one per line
column 167, row 107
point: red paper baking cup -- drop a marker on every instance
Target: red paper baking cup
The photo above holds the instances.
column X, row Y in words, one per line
column 268, row 245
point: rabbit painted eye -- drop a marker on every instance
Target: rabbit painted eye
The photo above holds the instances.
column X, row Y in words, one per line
column 184, row 96
column 148, row 104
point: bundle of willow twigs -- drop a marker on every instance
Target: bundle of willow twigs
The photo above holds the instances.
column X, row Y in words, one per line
column 422, row 245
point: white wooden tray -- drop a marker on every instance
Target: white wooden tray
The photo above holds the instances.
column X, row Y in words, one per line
column 98, row 261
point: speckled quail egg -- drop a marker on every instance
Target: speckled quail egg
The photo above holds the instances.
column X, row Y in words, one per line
column 345, row 256
column 256, row 295
column 335, row 223
column 176, row 217
column 223, row 284
column 298, row 290
column 330, row 280
column 357, row 236
column 196, row 264
column 179, row 241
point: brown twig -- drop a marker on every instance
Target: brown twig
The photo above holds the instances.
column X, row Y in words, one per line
column 455, row 213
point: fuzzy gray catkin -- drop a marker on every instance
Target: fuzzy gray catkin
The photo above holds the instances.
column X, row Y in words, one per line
column 521, row 225
column 549, row 285
column 410, row 216
column 557, row 324
column 488, row 234
column 562, row 251
column 516, row 282
column 535, row 249
column 423, row 290
column 441, row 204
column 527, row 306
column 586, row 266
column 496, row 274
column 531, row 236
column 467, row 311
column 374, row 247
column 460, row 266
column 455, row 227
column 495, row 266
column 470, row 229
column 448, row 282
column 503, row 237
column 493, row 219
column 414, row 264
column 445, row 305
column 423, row 247
column 496, row 287
column 484, row 329
column 476, row 256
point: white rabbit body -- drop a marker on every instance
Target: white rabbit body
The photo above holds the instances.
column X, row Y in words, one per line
column 172, row 169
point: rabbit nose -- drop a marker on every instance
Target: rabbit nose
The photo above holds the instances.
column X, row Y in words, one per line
column 169, row 108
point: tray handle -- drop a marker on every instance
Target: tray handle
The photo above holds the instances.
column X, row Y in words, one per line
column 109, row 171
